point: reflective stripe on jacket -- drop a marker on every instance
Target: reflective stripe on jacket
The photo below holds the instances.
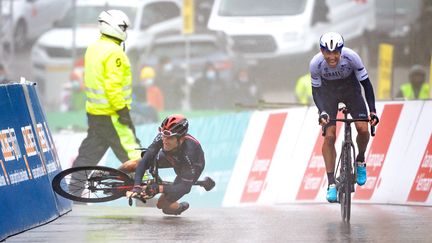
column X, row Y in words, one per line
column 107, row 77
column 408, row 91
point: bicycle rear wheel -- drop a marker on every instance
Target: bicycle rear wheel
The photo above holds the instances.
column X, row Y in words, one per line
column 92, row 184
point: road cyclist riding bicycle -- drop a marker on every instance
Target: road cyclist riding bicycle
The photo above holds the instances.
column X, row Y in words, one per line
column 174, row 148
column 336, row 74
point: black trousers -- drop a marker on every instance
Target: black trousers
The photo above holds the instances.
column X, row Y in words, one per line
column 101, row 135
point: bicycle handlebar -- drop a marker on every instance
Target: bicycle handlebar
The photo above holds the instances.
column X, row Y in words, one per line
column 207, row 183
column 345, row 120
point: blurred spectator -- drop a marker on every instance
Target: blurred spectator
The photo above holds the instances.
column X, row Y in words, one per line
column 142, row 113
column 245, row 90
column 148, row 88
column 207, row 91
column 170, row 85
column 3, row 75
column 303, row 90
column 73, row 97
column 417, row 87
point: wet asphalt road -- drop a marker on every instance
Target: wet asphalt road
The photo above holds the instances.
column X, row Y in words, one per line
column 282, row 223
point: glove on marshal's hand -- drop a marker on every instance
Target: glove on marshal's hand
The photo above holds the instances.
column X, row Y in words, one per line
column 124, row 116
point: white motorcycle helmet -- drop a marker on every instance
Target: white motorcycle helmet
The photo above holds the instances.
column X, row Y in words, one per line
column 332, row 41
column 114, row 23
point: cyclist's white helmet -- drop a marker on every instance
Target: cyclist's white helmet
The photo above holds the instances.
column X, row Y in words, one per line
column 114, row 23
column 331, row 41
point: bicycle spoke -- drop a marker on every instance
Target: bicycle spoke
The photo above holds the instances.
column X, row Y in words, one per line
column 92, row 184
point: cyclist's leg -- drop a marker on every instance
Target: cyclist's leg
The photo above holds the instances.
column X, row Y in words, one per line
column 362, row 139
column 329, row 154
column 129, row 166
column 358, row 110
column 329, row 149
column 172, row 193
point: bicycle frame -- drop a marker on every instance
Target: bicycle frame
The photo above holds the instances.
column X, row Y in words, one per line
column 346, row 178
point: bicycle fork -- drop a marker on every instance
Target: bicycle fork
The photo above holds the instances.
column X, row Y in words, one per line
column 346, row 171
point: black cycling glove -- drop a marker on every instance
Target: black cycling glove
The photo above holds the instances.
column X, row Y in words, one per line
column 324, row 116
column 152, row 189
column 374, row 117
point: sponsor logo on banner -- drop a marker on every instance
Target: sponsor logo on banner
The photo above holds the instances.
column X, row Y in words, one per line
column 421, row 187
column 315, row 171
column 378, row 150
column 42, row 138
column 263, row 158
column 9, row 145
column 29, row 141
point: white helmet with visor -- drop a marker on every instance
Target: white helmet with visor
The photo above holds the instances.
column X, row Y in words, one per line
column 114, row 23
column 331, row 41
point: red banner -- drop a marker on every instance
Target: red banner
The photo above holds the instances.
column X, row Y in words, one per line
column 315, row 171
column 421, row 187
column 263, row 158
column 378, row 150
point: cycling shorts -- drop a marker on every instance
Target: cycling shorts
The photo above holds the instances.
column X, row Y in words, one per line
column 351, row 97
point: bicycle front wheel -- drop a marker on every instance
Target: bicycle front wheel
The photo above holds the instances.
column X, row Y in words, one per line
column 346, row 183
column 92, row 184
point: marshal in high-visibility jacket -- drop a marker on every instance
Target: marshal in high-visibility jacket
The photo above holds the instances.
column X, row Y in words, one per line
column 303, row 90
column 108, row 87
column 417, row 87
column 108, row 78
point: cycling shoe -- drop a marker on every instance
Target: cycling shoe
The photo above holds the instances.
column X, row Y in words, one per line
column 331, row 193
column 361, row 175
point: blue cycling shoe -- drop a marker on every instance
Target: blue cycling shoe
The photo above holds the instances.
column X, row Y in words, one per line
column 331, row 193
column 361, row 175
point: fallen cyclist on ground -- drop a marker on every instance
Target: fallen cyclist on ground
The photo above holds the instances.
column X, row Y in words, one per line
column 173, row 148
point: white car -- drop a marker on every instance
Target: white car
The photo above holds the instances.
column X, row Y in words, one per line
column 273, row 28
column 54, row 53
column 30, row 18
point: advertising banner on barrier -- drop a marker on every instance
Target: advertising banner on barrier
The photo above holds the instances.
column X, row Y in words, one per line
column 398, row 158
column 28, row 161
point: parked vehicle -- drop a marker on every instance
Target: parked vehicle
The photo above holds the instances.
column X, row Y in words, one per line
column 204, row 48
column 267, row 29
column 31, row 18
column 174, row 67
column 54, row 52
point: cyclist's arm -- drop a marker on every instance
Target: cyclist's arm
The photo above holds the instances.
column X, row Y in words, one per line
column 144, row 163
column 318, row 98
column 316, row 83
column 369, row 93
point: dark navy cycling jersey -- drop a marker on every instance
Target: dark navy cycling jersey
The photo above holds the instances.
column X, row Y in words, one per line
column 331, row 85
column 187, row 160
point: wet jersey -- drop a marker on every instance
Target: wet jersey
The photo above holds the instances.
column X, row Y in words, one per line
column 341, row 83
column 188, row 160
column 350, row 66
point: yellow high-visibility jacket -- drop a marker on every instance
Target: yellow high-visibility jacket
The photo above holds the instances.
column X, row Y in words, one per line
column 107, row 77
column 408, row 91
